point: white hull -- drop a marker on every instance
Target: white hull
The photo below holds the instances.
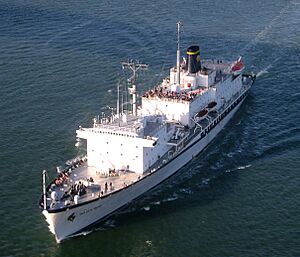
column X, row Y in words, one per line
column 89, row 213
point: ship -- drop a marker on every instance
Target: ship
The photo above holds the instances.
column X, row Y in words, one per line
column 132, row 151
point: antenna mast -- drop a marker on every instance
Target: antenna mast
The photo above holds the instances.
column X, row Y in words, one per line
column 134, row 66
column 179, row 24
column 118, row 103
column 44, row 190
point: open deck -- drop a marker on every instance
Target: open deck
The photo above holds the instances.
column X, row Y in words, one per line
column 86, row 183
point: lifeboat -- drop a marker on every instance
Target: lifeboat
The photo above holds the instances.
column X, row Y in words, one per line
column 237, row 67
column 211, row 106
column 201, row 115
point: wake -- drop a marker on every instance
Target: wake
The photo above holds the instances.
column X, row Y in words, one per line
column 264, row 32
column 238, row 168
column 68, row 31
column 266, row 69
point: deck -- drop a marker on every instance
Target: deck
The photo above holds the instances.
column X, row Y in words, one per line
column 90, row 182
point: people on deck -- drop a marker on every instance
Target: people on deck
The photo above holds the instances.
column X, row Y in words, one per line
column 81, row 188
column 162, row 93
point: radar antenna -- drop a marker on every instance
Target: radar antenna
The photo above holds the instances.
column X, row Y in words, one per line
column 134, row 66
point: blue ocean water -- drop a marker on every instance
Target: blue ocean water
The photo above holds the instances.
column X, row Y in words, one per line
column 60, row 64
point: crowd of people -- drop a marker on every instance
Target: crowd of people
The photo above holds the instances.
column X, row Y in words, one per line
column 75, row 189
column 63, row 177
column 166, row 94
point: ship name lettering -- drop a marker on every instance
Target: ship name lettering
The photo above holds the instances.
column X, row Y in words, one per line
column 89, row 210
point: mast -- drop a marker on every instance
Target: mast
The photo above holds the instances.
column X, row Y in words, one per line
column 134, row 66
column 44, row 190
column 179, row 24
column 118, row 103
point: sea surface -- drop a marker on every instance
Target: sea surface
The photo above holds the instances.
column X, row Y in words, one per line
column 60, row 65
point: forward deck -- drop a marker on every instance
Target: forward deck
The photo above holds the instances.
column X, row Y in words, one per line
column 86, row 183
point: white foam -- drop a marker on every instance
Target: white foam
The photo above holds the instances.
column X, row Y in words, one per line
column 238, row 168
column 205, row 181
column 296, row 94
column 243, row 167
column 230, row 154
column 110, row 223
column 262, row 72
column 83, row 233
column 266, row 69
column 169, row 199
